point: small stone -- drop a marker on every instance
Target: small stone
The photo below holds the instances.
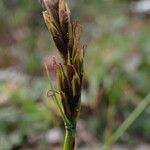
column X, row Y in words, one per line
column 54, row 136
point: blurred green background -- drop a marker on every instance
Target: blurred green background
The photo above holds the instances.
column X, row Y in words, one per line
column 117, row 74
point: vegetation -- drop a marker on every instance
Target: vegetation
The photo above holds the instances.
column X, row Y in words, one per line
column 116, row 78
column 66, row 36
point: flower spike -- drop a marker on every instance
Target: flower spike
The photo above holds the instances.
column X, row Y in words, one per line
column 66, row 36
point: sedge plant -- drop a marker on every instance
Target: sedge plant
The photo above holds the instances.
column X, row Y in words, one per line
column 66, row 36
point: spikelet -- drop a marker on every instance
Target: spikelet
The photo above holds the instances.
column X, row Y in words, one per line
column 66, row 35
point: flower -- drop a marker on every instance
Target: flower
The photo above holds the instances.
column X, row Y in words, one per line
column 58, row 20
column 66, row 35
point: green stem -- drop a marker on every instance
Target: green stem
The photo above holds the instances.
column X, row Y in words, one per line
column 110, row 119
column 69, row 140
column 128, row 122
